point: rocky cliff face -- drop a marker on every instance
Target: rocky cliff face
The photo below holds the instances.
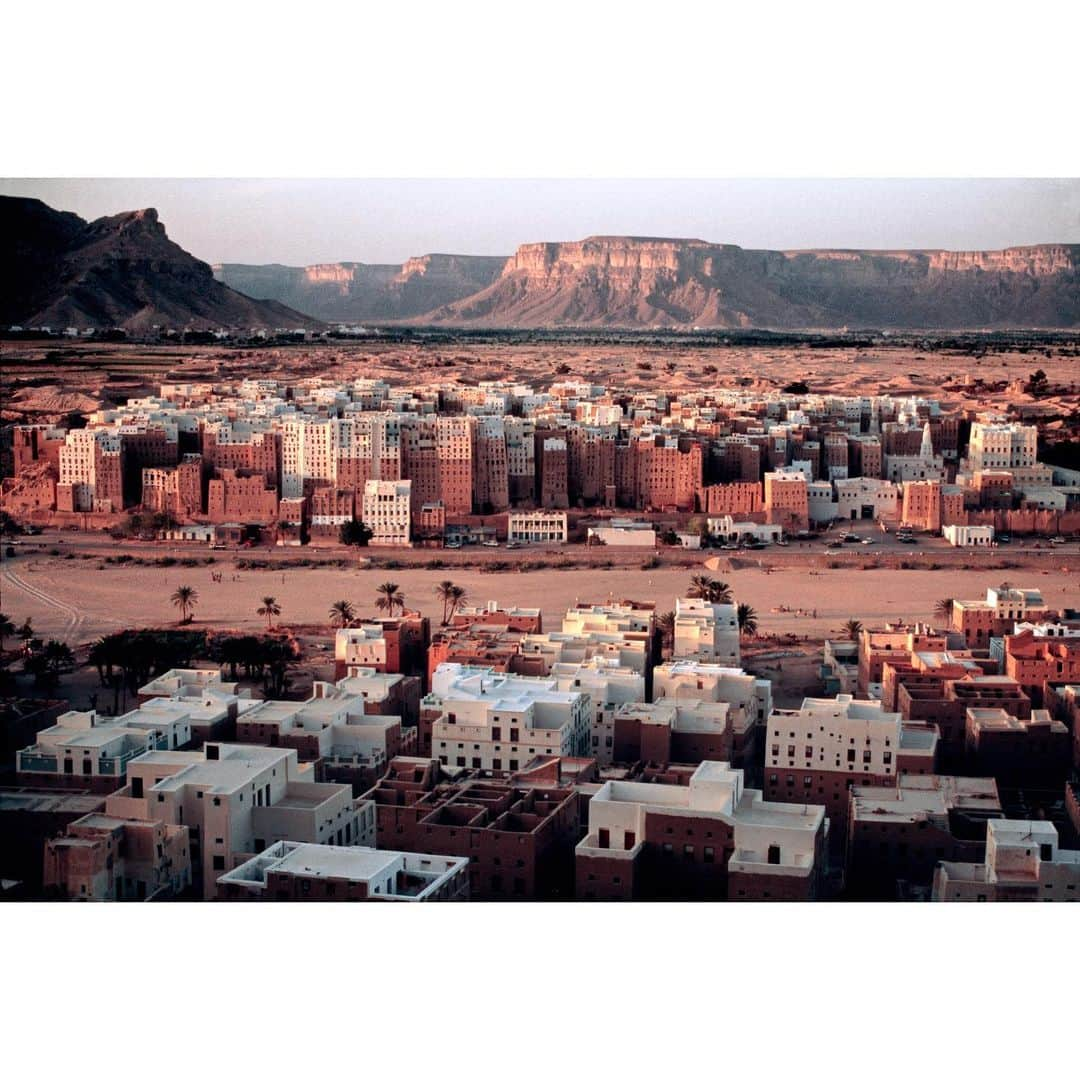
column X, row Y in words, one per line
column 357, row 292
column 633, row 281
column 116, row 271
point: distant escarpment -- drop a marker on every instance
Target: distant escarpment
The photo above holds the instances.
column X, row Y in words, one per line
column 122, row 271
column 356, row 292
column 646, row 282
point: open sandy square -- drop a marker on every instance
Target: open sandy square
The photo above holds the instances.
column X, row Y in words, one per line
column 77, row 602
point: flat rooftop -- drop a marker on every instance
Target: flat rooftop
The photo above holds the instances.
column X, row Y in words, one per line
column 919, row 797
column 50, row 802
column 235, row 767
column 355, row 863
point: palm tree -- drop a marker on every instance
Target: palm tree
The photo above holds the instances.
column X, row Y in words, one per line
column 390, row 598
column 721, row 593
column 699, row 587
column 342, row 613
column 747, row 620
column 457, row 595
column 104, row 654
column 7, row 627
column 185, row 598
column 944, row 608
column 852, row 629
column 665, row 623
column 58, row 659
column 444, row 591
column 703, row 587
column 270, row 608
column 25, row 632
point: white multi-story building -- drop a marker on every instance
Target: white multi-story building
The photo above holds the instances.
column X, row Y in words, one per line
column 1023, row 862
column 288, row 871
column 386, row 511
column 209, row 703
column 687, row 681
column 309, row 451
column 91, row 461
column 863, row 497
column 537, row 527
column 770, row 841
column 613, row 618
column 332, row 724
column 834, row 735
column 91, row 746
column 997, row 444
column 361, row 646
column 608, row 685
column 705, row 631
column 631, row 651
column 497, row 722
column 239, row 800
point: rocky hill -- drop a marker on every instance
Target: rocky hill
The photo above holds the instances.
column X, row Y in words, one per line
column 647, row 282
column 356, row 292
column 123, row 271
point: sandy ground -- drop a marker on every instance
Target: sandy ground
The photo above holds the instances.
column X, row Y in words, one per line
column 46, row 379
column 75, row 601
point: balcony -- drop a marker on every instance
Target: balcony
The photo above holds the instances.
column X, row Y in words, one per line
column 37, row 763
column 115, row 766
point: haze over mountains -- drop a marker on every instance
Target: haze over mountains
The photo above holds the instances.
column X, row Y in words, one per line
column 353, row 291
column 619, row 281
column 124, row 271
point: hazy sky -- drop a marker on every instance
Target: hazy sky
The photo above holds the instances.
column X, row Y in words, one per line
column 306, row 221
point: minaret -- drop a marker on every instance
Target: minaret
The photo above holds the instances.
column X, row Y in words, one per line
column 926, row 451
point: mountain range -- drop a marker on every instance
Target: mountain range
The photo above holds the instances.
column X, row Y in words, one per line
column 58, row 270
column 646, row 282
column 354, row 292
column 124, row 271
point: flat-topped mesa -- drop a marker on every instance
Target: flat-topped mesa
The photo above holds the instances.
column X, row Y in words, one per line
column 329, row 273
column 608, row 252
column 663, row 281
column 1039, row 260
column 481, row 268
